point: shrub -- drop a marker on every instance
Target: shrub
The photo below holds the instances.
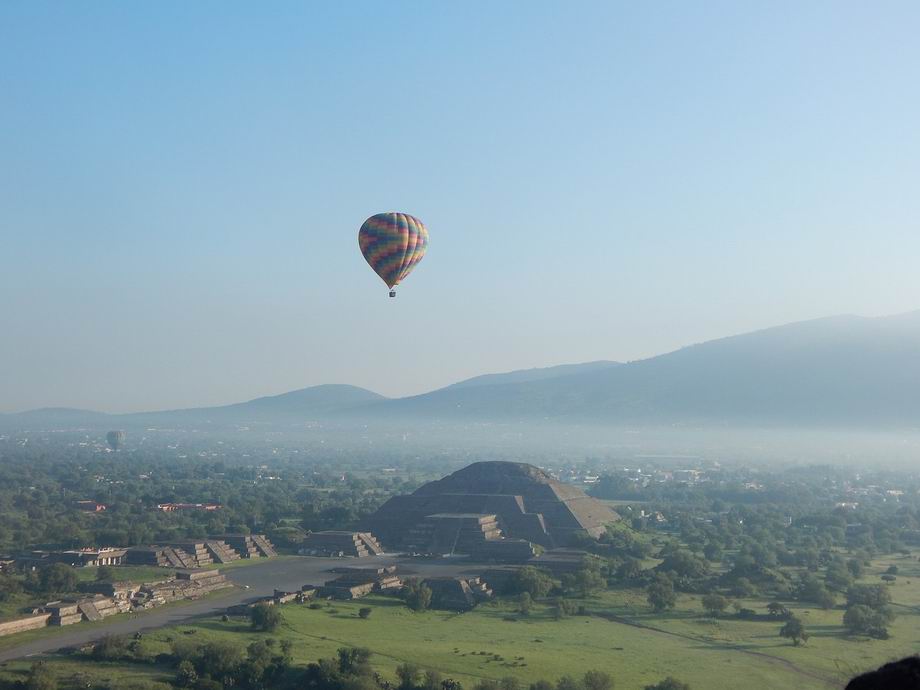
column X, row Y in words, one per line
column 795, row 631
column 111, row 648
column 525, row 604
column 408, row 674
column 597, row 680
column 186, row 675
column 661, row 595
column 365, row 612
column 873, row 596
column 417, row 595
column 860, row 619
column 265, row 618
column 41, row 678
column 536, row 582
column 668, row 683
column 714, row 604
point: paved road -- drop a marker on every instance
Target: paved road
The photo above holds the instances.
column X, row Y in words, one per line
column 287, row 574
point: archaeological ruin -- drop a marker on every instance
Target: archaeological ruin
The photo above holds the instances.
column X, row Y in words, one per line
column 491, row 510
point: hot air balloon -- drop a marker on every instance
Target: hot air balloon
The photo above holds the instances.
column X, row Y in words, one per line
column 115, row 439
column 393, row 243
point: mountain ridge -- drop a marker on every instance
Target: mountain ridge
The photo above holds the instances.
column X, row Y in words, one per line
column 837, row 370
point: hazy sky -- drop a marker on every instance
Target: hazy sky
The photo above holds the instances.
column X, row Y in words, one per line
column 181, row 186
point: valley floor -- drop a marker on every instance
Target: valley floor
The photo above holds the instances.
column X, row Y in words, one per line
column 621, row 636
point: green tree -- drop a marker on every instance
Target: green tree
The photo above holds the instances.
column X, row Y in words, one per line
column 265, row 617
column 668, row 683
column 743, row 587
column 408, row 675
column 105, row 573
column 712, row 552
column 563, row 608
column 355, row 661
column 525, row 604
column 535, row 581
column 186, row 675
column 860, row 619
column 433, row 680
column 365, row 612
column 568, row 683
column 110, row 648
column 825, row 599
column 777, row 610
column 838, row 576
column 630, row 569
column 714, row 604
column 661, row 595
column 588, row 581
column 57, row 578
column 856, row 568
column 684, row 564
column 220, row 660
column 417, row 595
column 596, row 680
column 873, row 596
column 794, row 630
column 41, row 678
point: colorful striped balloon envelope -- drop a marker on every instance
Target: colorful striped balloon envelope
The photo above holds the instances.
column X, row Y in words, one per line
column 392, row 244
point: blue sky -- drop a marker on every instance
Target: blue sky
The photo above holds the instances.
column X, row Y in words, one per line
column 182, row 183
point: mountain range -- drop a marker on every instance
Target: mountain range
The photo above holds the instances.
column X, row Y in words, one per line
column 841, row 371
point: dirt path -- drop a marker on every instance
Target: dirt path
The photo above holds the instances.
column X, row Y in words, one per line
column 779, row 661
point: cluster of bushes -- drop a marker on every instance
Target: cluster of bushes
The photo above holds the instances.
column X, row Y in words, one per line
column 221, row 664
column 265, row 617
column 416, row 594
column 868, row 611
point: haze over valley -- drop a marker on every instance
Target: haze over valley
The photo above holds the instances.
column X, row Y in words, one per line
column 459, row 346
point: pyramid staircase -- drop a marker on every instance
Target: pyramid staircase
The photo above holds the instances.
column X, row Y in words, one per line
column 370, row 543
column 480, row 589
column 89, row 611
column 220, row 551
column 341, row 543
column 196, row 551
column 178, row 558
column 264, row 546
column 249, row 545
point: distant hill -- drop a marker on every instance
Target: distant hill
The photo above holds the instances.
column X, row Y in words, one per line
column 842, row 371
column 54, row 417
column 538, row 374
column 316, row 402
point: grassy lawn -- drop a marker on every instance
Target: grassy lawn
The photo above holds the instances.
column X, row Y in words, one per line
column 77, row 672
column 623, row 637
column 486, row 644
column 128, row 573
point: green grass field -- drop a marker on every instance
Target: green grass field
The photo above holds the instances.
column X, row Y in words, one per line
column 622, row 637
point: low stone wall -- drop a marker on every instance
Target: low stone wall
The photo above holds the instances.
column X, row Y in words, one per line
column 23, row 624
column 189, row 585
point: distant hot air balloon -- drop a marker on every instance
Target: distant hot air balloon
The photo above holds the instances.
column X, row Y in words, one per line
column 115, row 439
column 393, row 243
